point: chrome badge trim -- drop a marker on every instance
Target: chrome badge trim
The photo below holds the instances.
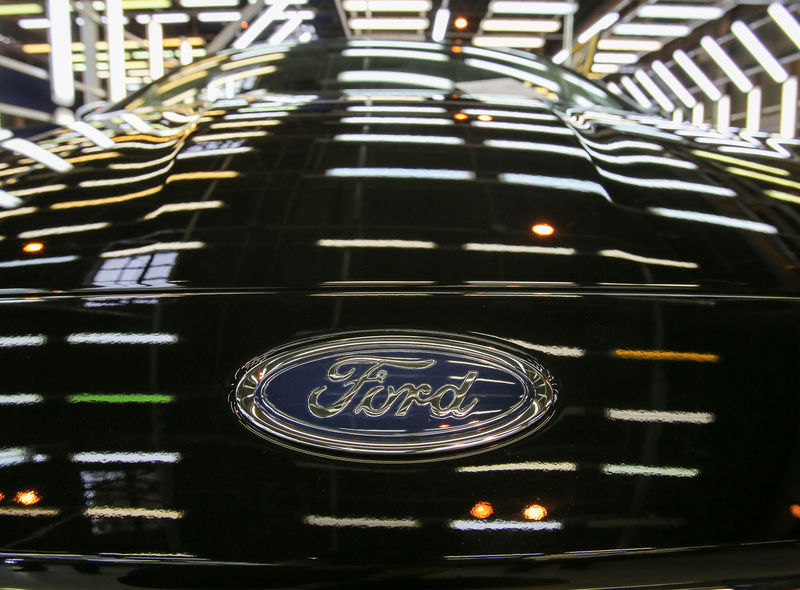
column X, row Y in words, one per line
column 393, row 396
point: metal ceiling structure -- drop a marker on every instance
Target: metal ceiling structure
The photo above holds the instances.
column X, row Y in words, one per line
column 727, row 63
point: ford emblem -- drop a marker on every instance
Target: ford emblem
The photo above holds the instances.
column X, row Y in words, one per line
column 402, row 396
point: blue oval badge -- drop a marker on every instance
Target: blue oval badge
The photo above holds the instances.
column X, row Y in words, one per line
column 393, row 396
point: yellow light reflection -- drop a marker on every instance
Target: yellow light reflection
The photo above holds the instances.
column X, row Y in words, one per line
column 782, row 196
column 233, row 65
column 32, row 247
column 150, row 138
column 27, row 498
column 202, row 175
column 106, row 200
column 91, row 157
column 740, row 162
column 543, row 229
column 246, row 74
column 665, row 355
column 482, row 510
column 2, row 496
column 182, row 80
column 764, row 177
column 534, row 512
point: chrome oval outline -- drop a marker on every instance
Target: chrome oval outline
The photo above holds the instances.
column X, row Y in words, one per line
column 277, row 427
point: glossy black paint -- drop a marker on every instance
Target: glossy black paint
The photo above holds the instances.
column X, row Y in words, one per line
column 629, row 309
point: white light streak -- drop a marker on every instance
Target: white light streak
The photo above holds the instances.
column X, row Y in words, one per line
column 413, row 173
column 155, row 45
column 511, row 114
column 92, row 134
column 566, row 351
column 219, row 17
column 598, row 27
column 60, row 36
column 698, row 114
column 736, row 75
column 392, row 77
column 290, row 26
column 789, row 107
column 387, row 5
column 648, row 471
column 362, row 522
column 754, row 45
column 64, row 229
column 259, row 24
column 724, row 113
column 116, row 50
column 670, row 184
column 214, row 152
column 360, row 243
column 208, row 3
column 129, row 457
column 696, row 74
column 652, row 30
column 173, row 207
column 528, row 466
column 395, row 121
column 34, row 23
column 646, row 260
column 440, row 23
column 513, row 249
column 674, row 84
column 27, row 340
column 389, row 24
column 505, row 525
column 121, row 338
column 158, row 247
column 395, row 53
column 536, row 147
column 37, row 261
column 733, row 222
column 781, row 15
column 9, row 201
column 628, row 45
column 561, row 56
column 602, row 57
column 516, row 73
column 636, row 92
column 114, row 512
column 126, row 179
column 380, row 138
column 28, row 511
column 33, row 151
column 519, row 25
column 660, row 416
column 20, row 399
column 552, row 129
column 680, row 11
column 556, row 183
column 394, row 109
column 524, row 7
column 753, row 121
column 656, row 92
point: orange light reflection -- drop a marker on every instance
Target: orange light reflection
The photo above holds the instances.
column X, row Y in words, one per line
column 461, row 116
column 27, row 498
column 543, row 229
column 32, row 247
column 534, row 512
column 461, row 23
column 795, row 509
column 482, row 510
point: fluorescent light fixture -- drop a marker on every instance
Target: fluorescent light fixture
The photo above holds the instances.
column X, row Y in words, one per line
column 635, row 92
column 20, row 399
column 35, row 262
column 362, row 522
column 507, row 41
column 652, row 30
column 259, row 24
column 396, row 121
column 696, row 74
column 781, row 15
column 155, row 44
column 724, row 113
column 21, row 8
column 599, row 26
column 754, row 45
column 681, row 11
column 412, row 173
column 389, row 24
column 513, row 73
column 379, row 138
column 394, row 109
column 561, row 56
column 660, row 416
column 505, row 525
column 518, row 25
column 361, row 243
column 654, row 91
column 115, row 512
column 208, row 3
column 33, row 151
column 555, row 183
column 287, row 28
column 394, row 53
column 513, row 249
column 615, row 58
column 646, row 259
column 158, row 247
column 116, row 50
column 137, row 457
column 393, row 77
column 387, row 5
column 27, row 340
column 648, row 471
column 628, row 45
column 789, row 108
column 185, row 55
column 524, row 7
column 733, row 222
column 753, row 121
column 219, row 17
column 121, row 338
column 440, row 23
column 34, row 23
column 736, row 75
column 92, row 133
column 528, row 466
column 698, row 114
column 674, row 84
column 163, row 18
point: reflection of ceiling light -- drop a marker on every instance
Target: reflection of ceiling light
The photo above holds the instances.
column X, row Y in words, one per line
column 681, row 11
column 652, row 30
column 440, row 25
column 208, row 3
column 561, row 56
column 27, row 498
column 482, row 510
column 522, row 7
column 218, row 17
column 534, row 512
column 521, row 25
column 543, row 229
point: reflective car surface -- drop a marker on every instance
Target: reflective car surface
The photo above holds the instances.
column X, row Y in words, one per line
column 259, row 201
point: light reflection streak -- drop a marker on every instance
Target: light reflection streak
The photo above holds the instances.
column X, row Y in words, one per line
column 158, row 247
column 622, row 144
column 28, row 512
column 764, row 177
column 522, row 127
column 8, row 201
column 121, row 338
column 31, row 150
column 568, row 351
column 660, row 416
column 410, row 173
column 665, row 355
column 114, row 512
column 173, row 207
column 556, row 183
column 360, row 243
column 106, row 200
column 249, row 123
column 380, row 138
column 536, row 147
column 362, row 522
column 48, row 188
column 669, row 184
column 213, row 174
column 741, row 162
column 782, row 196
column 65, row 229
column 232, row 135
column 127, row 179
column 648, row 470
column 214, row 152
column 513, row 249
column 393, row 77
column 657, row 160
column 37, row 261
column 396, row 53
column 93, row 157
column 395, row 109
column 733, row 222
column 20, row 455
column 511, row 114
column 120, row 398
column 20, row 211
column 504, row 525
column 137, row 457
column 527, row 466
column 396, row 121
column 27, row 340
column 646, row 260
column 92, row 134
column 20, row 399
column 257, row 114
column 518, row 74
